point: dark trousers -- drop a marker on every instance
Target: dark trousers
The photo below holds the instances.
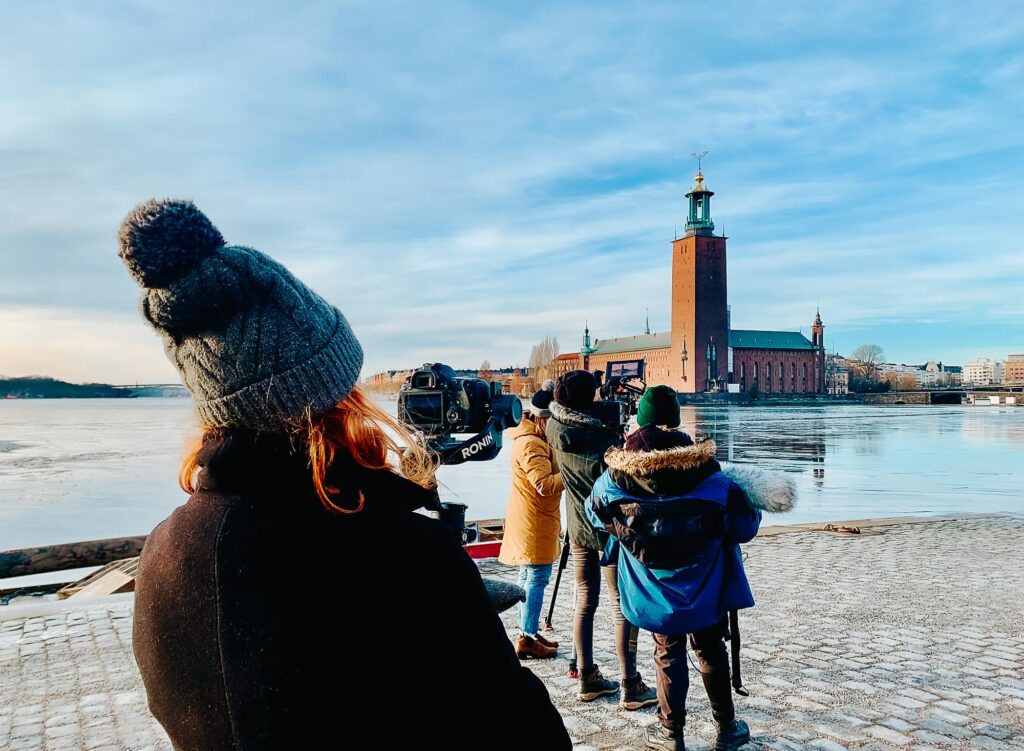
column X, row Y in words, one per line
column 674, row 675
column 586, row 563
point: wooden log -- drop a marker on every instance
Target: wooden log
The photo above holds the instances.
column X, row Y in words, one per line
column 69, row 555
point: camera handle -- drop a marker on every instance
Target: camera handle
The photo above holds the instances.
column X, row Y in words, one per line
column 483, row 446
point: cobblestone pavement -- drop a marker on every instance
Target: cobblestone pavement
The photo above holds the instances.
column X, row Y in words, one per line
column 908, row 638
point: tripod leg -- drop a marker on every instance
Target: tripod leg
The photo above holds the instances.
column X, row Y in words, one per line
column 563, row 561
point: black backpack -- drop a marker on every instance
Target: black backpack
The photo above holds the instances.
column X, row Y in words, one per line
column 666, row 534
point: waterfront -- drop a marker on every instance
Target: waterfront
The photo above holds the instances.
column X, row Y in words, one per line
column 86, row 469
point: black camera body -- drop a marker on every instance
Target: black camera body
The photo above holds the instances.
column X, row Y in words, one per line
column 623, row 387
column 438, row 403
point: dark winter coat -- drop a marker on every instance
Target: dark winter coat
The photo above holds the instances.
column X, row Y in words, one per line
column 579, row 441
column 263, row 621
column 675, row 524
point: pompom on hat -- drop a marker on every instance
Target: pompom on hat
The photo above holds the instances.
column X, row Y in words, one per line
column 256, row 347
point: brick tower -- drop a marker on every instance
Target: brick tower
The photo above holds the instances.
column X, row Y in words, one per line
column 818, row 340
column 700, row 319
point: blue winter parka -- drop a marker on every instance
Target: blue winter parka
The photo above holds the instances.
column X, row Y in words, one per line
column 674, row 522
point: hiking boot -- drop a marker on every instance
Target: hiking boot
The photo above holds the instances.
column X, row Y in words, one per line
column 732, row 735
column 636, row 694
column 594, row 685
column 527, row 647
column 659, row 738
column 547, row 642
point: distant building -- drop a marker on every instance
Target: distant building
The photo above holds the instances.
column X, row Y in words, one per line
column 521, row 383
column 702, row 352
column 934, row 375
column 983, row 371
column 565, row 363
column 653, row 349
column 931, row 375
column 1014, row 372
column 837, row 375
column 387, row 380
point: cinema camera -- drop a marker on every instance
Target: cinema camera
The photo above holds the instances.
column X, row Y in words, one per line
column 623, row 387
column 441, row 405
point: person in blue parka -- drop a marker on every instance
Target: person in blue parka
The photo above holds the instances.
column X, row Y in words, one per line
column 674, row 522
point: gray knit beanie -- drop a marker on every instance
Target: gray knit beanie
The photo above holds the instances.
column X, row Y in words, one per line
column 254, row 345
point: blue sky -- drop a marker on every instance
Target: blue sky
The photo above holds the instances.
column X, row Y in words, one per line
column 464, row 179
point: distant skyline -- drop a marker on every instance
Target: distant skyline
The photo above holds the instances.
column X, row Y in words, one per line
column 464, row 179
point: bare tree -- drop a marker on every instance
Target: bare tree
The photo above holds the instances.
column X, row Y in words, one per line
column 485, row 370
column 542, row 358
column 865, row 361
column 870, row 354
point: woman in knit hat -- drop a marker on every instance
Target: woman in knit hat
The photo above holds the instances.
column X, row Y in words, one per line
column 676, row 522
column 533, row 521
column 275, row 607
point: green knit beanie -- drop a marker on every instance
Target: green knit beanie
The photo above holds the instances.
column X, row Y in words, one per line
column 658, row 406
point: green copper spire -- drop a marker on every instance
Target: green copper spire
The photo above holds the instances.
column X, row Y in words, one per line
column 698, row 220
column 586, row 350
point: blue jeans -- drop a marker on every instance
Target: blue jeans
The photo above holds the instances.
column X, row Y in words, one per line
column 533, row 579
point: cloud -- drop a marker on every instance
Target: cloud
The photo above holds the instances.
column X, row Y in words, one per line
column 463, row 193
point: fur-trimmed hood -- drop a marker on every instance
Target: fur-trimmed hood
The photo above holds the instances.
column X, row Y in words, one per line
column 677, row 471
column 649, row 462
column 771, row 491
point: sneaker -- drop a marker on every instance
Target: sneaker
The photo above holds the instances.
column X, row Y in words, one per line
column 732, row 735
column 594, row 685
column 636, row 694
column 527, row 647
column 547, row 642
column 574, row 672
column 659, row 738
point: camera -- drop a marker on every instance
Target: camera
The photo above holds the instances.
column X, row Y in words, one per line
column 438, row 403
column 623, row 387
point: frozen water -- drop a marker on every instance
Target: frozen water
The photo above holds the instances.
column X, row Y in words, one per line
column 82, row 469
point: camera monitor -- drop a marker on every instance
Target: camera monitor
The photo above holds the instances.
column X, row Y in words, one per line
column 625, row 369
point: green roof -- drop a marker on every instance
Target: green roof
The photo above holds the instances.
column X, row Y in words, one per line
column 661, row 340
column 768, row 340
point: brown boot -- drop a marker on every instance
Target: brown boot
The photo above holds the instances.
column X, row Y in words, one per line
column 546, row 642
column 527, row 646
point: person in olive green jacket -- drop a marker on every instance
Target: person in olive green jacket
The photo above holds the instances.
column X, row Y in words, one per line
column 579, row 441
column 533, row 522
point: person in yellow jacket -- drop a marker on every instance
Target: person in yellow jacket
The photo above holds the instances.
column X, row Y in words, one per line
column 533, row 521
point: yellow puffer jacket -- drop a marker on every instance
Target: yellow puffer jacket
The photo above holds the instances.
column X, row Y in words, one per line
column 533, row 521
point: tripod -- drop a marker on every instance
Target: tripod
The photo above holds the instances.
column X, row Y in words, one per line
column 563, row 561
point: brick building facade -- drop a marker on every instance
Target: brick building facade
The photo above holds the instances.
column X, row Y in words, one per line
column 701, row 352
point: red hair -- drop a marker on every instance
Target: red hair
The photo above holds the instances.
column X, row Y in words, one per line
column 357, row 427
